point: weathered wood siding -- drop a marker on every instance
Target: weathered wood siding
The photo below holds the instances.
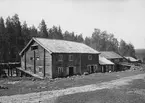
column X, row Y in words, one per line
column 85, row 62
column 39, row 61
column 65, row 63
column 80, row 63
column 106, row 68
column 48, row 64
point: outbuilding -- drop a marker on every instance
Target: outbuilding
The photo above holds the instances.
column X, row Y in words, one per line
column 106, row 65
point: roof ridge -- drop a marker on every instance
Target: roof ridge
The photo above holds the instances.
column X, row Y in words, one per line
column 58, row 40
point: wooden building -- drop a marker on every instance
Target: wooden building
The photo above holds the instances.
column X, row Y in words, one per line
column 113, row 57
column 58, row 58
column 132, row 60
column 106, row 65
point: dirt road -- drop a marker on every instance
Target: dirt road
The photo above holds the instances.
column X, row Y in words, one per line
column 44, row 97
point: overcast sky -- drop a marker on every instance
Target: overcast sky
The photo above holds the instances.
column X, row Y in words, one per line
column 124, row 18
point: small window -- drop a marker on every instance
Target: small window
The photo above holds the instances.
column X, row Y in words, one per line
column 34, row 47
column 37, row 58
column 40, row 69
column 70, row 57
column 60, row 70
column 60, row 57
column 89, row 57
column 31, row 58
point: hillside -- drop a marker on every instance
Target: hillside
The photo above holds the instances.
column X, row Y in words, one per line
column 140, row 53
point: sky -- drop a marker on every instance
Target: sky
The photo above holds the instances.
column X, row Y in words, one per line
column 124, row 18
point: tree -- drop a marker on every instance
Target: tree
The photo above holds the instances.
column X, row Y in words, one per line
column 123, row 48
column 43, row 29
column 2, row 39
column 79, row 38
column 2, row 26
column 131, row 51
column 55, row 33
column 25, row 33
column 88, row 41
column 33, row 32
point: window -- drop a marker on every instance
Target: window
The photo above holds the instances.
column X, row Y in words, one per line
column 37, row 58
column 34, row 47
column 40, row 69
column 60, row 70
column 89, row 57
column 31, row 58
column 70, row 58
column 60, row 57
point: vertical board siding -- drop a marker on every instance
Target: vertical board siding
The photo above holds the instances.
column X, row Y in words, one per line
column 80, row 63
column 85, row 62
column 48, row 64
column 39, row 61
column 65, row 64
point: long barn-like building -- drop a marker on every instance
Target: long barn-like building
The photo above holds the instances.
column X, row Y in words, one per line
column 58, row 58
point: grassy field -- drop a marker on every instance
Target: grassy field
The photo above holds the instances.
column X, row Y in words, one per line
column 27, row 85
column 133, row 93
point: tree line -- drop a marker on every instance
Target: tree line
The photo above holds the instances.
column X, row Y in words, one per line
column 14, row 35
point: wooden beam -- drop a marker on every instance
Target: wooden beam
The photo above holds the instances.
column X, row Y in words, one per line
column 25, row 61
column 11, row 71
column 80, row 63
column 44, row 64
column 34, row 62
column 8, row 71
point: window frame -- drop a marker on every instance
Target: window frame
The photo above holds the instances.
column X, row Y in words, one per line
column 90, row 57
column 34, row 47
column 60, row 70
column 70, row 57
column 60, row 57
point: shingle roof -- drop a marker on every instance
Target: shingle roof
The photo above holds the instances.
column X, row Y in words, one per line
column 110, row 55
column 62, row 46
column 104, row 61
column 131, row 59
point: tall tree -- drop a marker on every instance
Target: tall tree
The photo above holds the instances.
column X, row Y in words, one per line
column 33, row 32
column 55, row 33
column 25, row 33
column 43, row 29
column 2, row 39
column 96, row 40
column 80, row 38
column 88, row 41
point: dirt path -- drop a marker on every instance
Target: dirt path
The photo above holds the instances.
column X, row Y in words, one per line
column 44, row 97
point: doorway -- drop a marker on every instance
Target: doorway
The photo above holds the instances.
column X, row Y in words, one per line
column 71, row 71
column 92, row 69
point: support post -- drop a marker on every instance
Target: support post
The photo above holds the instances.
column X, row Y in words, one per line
column 34, row 63
column 16, row 72
column 44, row 65
column 80, row 63
column 11, row 71
column 25, row 61
column 8, row 71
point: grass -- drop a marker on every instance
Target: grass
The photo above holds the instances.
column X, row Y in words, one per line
column 27, row 85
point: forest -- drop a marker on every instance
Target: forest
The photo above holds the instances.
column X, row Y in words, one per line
column 14, row 35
